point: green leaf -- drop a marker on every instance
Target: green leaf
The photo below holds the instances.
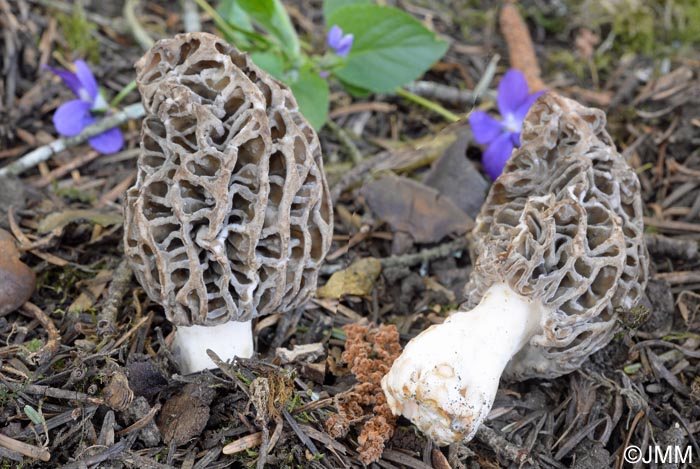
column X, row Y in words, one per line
column 312, row 95
column 236, row 16
column 272, row 16
column 391, row 48
column 34, row 416
column 355, row 91
column 329, row 6
column 270, row 62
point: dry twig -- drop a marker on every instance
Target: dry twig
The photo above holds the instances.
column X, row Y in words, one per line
column 426, row 255
column 117, row 289
column 133, row 111
column 53, row 343
column 449, row 94
column 25, row 449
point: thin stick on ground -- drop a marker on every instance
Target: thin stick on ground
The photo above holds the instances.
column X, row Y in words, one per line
column 110, row 453
column 520, row 47
column 487, row 77
column 53, row 343
column 56, row 393
column 501, row 446
column 133, row 111
column 133, row 330
column 117, row 289
column 30, row 451
column 445, row 93
column 141, row 423
column 679, row 277
column 243, row 443
column 346, row 141
column 426, row 255
column 678, row 248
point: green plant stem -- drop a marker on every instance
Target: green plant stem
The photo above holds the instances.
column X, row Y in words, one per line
column 228, row 28
column 131, row 86
column 137, row 30
column 428, row 104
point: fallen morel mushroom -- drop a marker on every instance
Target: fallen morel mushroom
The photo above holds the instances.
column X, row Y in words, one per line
column 558, row 248
column 230, row 216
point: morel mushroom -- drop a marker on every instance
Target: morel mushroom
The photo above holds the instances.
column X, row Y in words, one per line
column 558, row 248
column 230, row 216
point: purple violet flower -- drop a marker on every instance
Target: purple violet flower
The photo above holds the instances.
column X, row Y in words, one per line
column 340, row 43
column 73, row 116
column 500, row 137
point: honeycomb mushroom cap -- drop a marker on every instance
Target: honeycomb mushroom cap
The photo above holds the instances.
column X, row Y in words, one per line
column 230, row 216
column 563, row 224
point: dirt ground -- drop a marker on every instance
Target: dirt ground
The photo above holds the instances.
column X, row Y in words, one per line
column 86, row 375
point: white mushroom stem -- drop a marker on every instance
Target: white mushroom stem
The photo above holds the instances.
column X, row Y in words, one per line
column 446, row 379
column 228, row 340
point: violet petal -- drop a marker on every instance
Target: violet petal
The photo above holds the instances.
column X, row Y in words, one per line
column 334, row 36
column 515, row 138
column 71, row 117
column 496, row 155
column 87, row 79
column 512, row 92
column 108, row 142
column 70, row 79
column 344, row 45
column 484, row 127
column 521, row 112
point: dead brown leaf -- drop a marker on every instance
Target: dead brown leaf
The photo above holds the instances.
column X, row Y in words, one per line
column 185, row 415
column 17, row 280
column 454, row 176
column 415, row 209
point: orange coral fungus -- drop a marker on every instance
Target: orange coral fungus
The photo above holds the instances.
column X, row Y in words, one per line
column 520, row 47
column 370, row 353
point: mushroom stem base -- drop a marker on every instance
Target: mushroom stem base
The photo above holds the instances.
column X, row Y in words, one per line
column 446, row 379
column 228, row 340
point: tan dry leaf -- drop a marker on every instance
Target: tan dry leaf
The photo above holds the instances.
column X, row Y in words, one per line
column 358, row 279
column 92, row 292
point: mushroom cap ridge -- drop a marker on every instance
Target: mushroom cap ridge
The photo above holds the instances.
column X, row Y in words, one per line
column 563, row 224
column 230, row 216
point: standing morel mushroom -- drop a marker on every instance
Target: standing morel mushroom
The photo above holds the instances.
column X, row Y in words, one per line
column 230, row 216
column 558, row 247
